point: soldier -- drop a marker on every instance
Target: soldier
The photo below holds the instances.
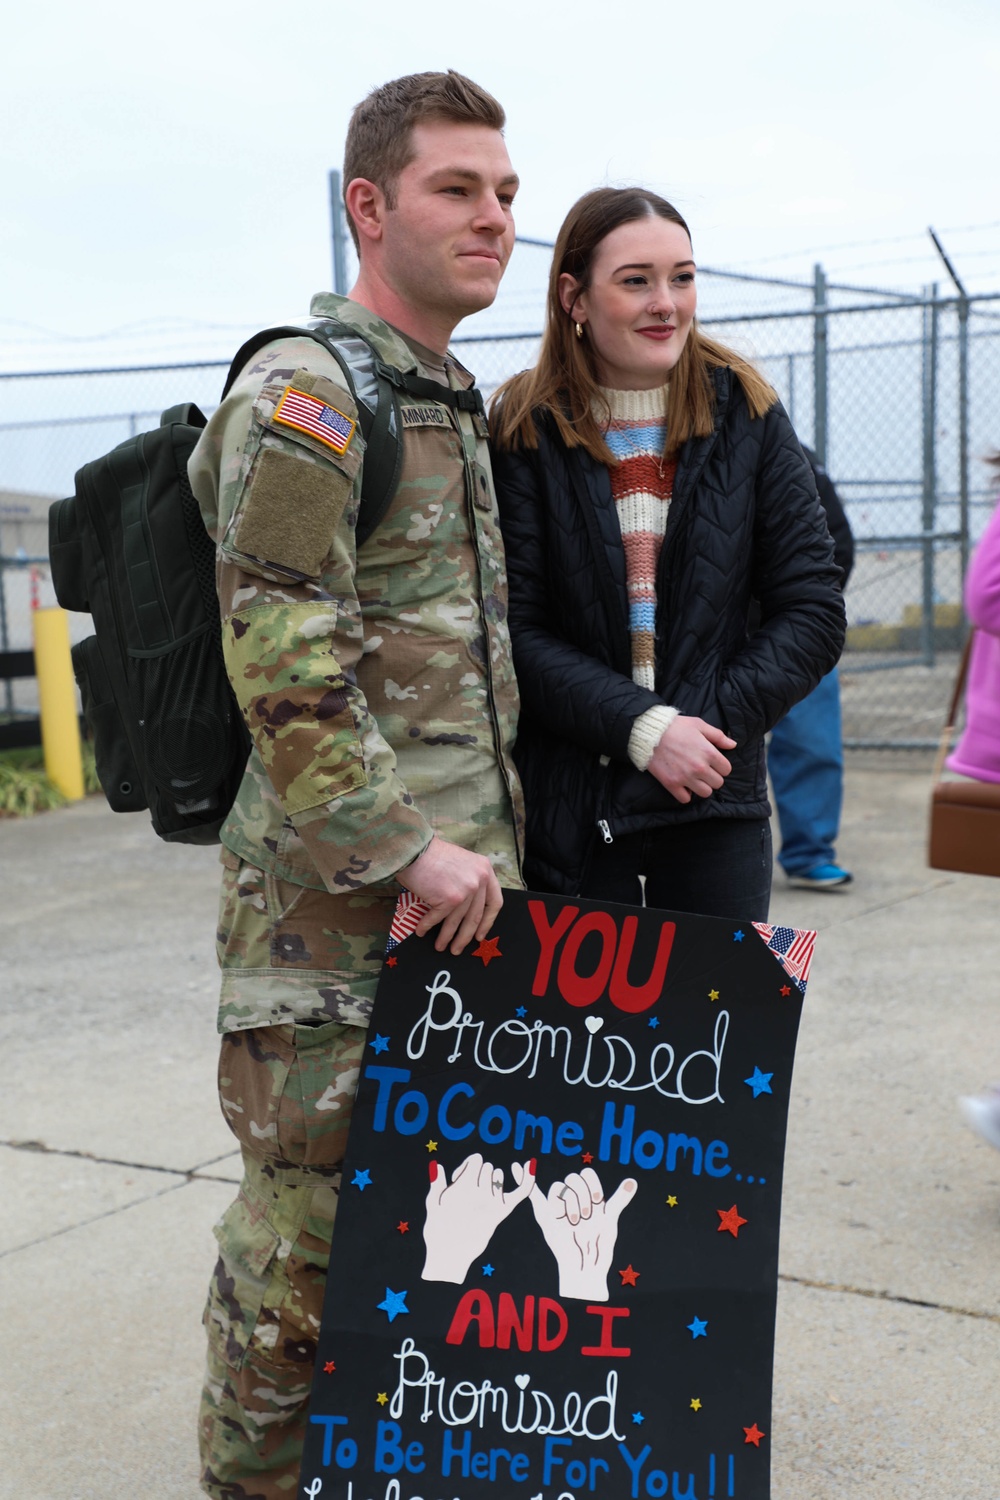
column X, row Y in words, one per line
column 377, row 685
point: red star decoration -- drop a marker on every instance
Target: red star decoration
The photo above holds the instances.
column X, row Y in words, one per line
column 729, row 1219
column 391, row 963
column 786, row 989
column 588, row 1157
column 329, row 1367
column 488, row 948
column 403, row 1227
column 754, row 1435
column 628, row 1276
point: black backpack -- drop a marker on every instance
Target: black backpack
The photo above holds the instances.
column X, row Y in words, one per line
column 130, row 549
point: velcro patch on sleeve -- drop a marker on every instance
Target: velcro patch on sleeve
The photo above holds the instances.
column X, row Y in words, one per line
column 307, row 413
column 290, row 512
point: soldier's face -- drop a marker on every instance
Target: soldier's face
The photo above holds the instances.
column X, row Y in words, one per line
column 448, row 239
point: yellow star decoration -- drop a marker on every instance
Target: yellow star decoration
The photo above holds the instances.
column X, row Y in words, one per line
column 672, row 1201
column 713, row 994
column 381, row 1398
column 696, row 1403
column 432, row 1145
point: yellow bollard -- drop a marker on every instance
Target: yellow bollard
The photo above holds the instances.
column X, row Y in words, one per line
column 57, row 700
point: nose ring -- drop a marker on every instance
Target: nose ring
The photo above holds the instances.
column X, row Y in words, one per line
column 662, row 318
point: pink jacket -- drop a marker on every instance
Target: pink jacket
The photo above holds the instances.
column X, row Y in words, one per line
column 978, row 751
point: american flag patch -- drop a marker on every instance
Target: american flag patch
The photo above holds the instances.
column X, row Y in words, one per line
column 792, row 947
column 308, row 414
column 405, row 919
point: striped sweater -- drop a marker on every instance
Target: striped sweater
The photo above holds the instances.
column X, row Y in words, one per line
column 641, row 484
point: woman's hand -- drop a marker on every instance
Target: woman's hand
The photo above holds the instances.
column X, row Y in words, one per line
column 689, row 759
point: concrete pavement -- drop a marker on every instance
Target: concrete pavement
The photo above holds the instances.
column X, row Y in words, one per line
column 115, row 1164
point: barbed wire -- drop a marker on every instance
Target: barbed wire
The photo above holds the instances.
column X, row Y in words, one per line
column 866, row 244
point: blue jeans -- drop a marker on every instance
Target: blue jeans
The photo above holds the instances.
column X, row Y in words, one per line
column 806, row 764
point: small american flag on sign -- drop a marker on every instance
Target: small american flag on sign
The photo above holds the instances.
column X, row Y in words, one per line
column 793, row 947
column 406, row 917
column 308, row 414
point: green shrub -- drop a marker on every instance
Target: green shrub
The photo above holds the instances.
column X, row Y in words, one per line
column 24, row 787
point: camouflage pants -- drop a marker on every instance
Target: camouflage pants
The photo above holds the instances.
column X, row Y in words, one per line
column 287, row 1093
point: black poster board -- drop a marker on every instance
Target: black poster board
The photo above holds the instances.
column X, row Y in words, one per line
column 554, row 1268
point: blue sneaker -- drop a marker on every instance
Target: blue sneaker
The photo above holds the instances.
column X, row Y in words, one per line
column 822, row 878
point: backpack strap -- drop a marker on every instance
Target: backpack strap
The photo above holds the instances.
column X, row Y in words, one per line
column 253, row 346
column 380, row 427
column 430, row 390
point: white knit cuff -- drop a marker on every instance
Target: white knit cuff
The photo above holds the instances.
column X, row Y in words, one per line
column 647, row 732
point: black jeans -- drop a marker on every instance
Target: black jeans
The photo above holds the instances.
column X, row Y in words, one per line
column 718, row 867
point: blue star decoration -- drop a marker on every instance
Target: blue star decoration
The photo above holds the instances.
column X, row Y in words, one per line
column 522, row 1010
column 487, row 1269
column 698, row 1328
column 362, row 1179
column 393, row 1304
column 380, row 1044
column 638, row 1418
column 760, row 1082
column 654, row 1021
column 738, row 936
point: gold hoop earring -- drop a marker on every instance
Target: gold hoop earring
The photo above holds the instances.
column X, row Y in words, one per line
column 579, row 330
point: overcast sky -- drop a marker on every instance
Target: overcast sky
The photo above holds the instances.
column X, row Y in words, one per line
column 165, row 167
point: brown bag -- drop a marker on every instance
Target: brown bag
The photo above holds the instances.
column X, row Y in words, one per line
column 965, row 815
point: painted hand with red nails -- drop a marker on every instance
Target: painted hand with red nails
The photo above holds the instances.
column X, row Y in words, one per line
column 463, row 1215
column 581, row 1229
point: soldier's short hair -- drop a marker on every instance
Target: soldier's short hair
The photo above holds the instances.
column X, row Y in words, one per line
column 380, row 136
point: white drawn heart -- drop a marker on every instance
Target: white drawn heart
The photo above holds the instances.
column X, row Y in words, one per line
column 594, row 1024
column 522, row 1381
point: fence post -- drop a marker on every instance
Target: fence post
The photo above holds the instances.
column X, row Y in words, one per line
column 337, row 232
column 929, row 359
column 4, row 641
column 819, row 365
column 963, row 439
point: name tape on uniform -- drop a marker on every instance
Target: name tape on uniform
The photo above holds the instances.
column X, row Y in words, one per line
column 424, row 416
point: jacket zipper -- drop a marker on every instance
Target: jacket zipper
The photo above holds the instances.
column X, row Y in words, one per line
column 606, row 833
column 470, row 500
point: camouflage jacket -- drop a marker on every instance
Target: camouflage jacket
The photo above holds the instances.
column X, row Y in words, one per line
column 376, row 682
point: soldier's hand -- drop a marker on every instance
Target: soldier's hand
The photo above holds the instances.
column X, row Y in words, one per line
column 461, row 890
column 689, row 758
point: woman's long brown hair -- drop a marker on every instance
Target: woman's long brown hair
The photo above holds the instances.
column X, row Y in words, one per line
column 565, row 384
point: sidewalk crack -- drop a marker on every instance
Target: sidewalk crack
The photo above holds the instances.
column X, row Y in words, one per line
column 884, row 1296
column 108, row 1213
column 872, row 911
column 190, row 1173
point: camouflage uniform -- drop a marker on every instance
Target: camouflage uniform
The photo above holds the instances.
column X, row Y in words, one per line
column 378, row 689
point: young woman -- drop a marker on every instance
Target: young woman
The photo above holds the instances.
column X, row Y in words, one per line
column 672, row 584
column 978, row 751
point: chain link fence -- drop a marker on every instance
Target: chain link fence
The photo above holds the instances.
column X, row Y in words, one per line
column 901, row 401
column 898, row 395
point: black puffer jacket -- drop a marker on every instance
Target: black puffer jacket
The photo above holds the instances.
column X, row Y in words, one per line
column 744, row 525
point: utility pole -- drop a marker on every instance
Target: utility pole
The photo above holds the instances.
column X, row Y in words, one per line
column 820, row 391
column 338, row 234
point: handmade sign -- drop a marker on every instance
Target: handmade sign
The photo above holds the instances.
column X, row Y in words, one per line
column 555, row 1262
